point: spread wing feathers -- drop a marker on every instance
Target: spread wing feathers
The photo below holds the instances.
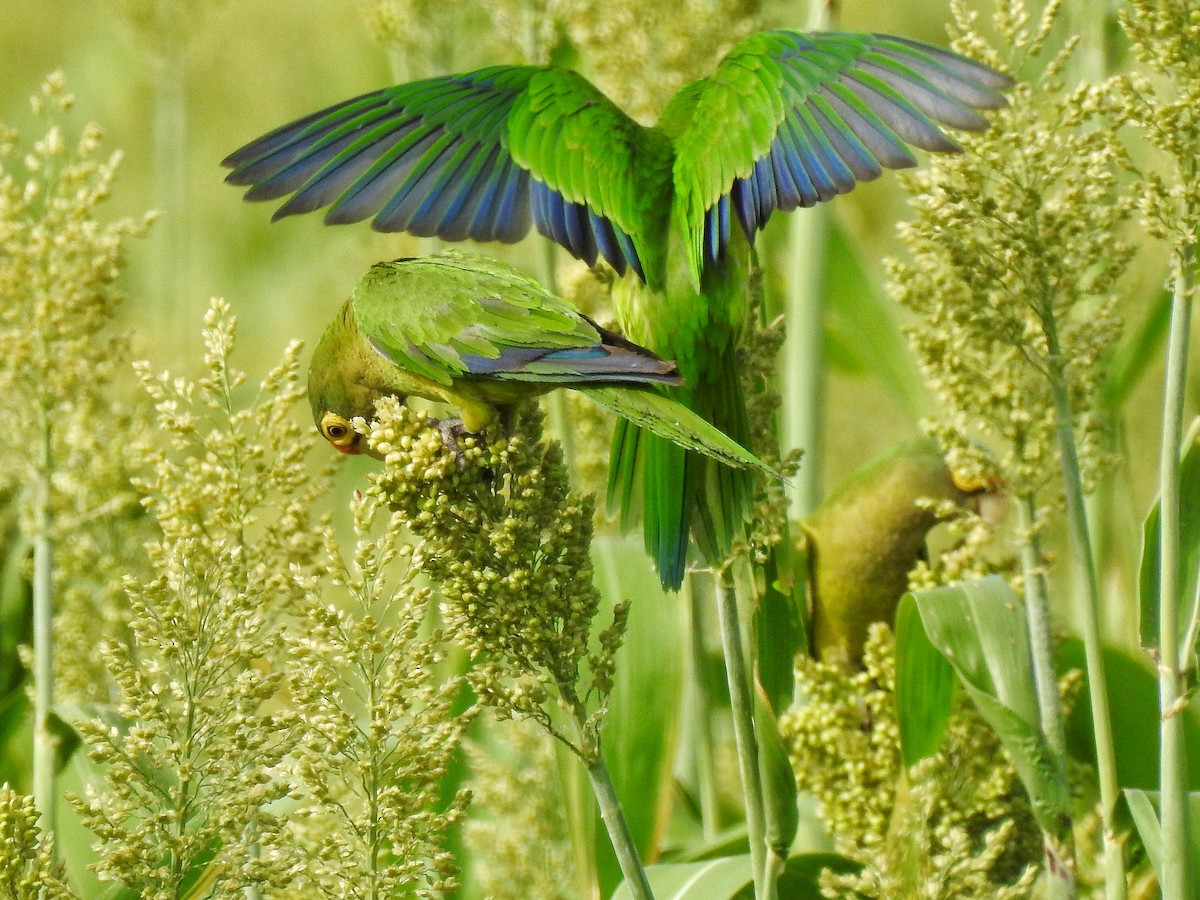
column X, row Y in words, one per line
column 480, row 155
column 804, row 117
column 458, row 315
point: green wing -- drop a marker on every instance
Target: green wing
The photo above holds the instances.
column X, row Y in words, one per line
column 791, row 119
column 482, row 155
column 462, row 315
column 456, row 314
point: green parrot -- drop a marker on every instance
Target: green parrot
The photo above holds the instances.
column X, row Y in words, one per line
column 864, row 539
column 478, row 335
column 787, row 120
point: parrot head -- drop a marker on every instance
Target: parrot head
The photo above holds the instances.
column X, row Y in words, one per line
column 337, row 390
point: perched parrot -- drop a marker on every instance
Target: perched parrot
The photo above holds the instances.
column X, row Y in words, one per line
column 480, row 336
column 864, row 539
column 788, row 119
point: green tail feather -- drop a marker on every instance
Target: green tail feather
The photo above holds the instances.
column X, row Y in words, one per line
column 707, row 491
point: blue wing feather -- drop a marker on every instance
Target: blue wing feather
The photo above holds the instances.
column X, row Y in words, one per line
column 852, row 105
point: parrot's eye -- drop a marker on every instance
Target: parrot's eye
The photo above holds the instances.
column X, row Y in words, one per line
column 339, row 432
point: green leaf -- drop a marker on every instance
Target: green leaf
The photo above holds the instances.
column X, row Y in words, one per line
column 979, row 626
column 801, row 878
column 730, row 877
column 779, row 627
column 925, row 686
column 1143, row 805
column 717, row 879
column 16, row 740
column 1189, row 559
column 778, row 779
column 16, row 607
column 1134, row 719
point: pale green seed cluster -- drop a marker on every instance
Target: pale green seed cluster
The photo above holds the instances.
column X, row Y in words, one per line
column 956, row 825
column 758, row 362
column 1165, row 37
column 971, row 551
column 379, row 726
column 1014, row 260
column 62, row 362
column 516, row 838
column 424, row 37
column 27, row 869
column 193, row 765
column 671, row 43
column 507, row 544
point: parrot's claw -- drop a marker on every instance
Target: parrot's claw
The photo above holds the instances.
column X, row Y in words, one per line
column 451, row 430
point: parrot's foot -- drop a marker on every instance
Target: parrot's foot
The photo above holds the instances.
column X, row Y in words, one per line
column 451, row 430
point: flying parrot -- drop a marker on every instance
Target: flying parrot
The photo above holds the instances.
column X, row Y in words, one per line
column 477, row 334
column 786, row 120
column 864, row 539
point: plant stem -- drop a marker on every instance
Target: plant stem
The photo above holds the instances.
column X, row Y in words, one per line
column 741, row 701
column 1060, row 863
column 618, row 828
column 1173, row 658
column 802, row 369
column 1037, row 607
column 1085, row 565
column 802, row 366
column 44, row 742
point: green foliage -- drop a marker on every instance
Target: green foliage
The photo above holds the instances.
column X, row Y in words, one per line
column 957, row 824
column 518, row 840
column 193, row 772
column 61, row 361
column 980, row 628
column 1188, row 615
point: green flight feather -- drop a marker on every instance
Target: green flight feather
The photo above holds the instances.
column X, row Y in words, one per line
column 669, row 419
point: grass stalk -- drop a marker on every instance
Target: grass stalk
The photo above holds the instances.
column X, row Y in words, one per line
column 1041, row 640
column 585, row 744
column 802, row 369
column 741, row 701
column 1060, row 862
column 44, row 742
column 1172, row 664
column 618, row 829
column 1085, row 572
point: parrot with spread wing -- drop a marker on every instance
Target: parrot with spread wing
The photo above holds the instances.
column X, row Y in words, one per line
column 474, row 333
column 787, row 120
column 861, row 543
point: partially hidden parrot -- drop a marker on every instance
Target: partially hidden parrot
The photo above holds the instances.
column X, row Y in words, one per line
column 866, row 537
column 478, row 335
column 786, row 120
